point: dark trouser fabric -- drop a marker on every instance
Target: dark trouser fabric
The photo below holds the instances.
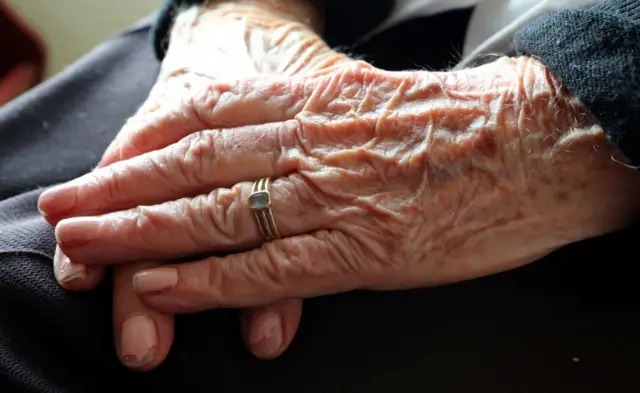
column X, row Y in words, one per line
column 568, row 323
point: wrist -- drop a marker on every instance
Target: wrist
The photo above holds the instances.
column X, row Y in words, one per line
column 570, row 159
column 534, row 143
column 246, row 38
column 306, row 12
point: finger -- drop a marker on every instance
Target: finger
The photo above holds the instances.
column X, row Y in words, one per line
column 211, row 105
column 219, row 221
column 155, row 113
column 200, row 162
column 269, row 330
column 73, row 276
column 142, row 336
column 160, row 108
column 296, row 267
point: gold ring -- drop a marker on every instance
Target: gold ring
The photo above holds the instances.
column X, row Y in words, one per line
column 260, row 204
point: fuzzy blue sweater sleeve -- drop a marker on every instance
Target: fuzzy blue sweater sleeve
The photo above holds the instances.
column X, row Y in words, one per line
column 596, row 53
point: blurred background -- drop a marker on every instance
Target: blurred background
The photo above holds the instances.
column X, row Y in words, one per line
column 41, row 37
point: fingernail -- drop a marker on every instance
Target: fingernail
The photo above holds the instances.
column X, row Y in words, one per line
column 139, row 341
column 156, row 280
column 58, row 201
column 77, row 231
column 265, row 337
column 66, row 270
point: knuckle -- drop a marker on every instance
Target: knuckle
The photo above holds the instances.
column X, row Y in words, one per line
column 196, row 220
column 220, row 213
column 208, row 222
column 289, row 148
column 306, row 194
column 149, row 226
column 301, row 132
column 144, row 225
column 285, row 264
column 341, row 92
column 163, row 169
column 306, row 261
column 361, row 65
column 108, row 182
column 220, row 284
column 356, row 72
column 195, row 156
column 204, row 101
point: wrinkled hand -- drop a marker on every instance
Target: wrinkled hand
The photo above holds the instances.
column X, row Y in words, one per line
column 383, row 181
column 215, row 47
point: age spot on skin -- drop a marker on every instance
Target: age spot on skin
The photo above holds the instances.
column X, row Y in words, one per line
column 562, row 196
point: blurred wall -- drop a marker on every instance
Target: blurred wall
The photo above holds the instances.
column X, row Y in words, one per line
column 72, row 27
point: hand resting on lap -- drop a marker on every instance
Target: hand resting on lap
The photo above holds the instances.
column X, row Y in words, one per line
column 208, row 43
column 382, row 180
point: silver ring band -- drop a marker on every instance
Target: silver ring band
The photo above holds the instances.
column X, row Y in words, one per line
column 260, row 204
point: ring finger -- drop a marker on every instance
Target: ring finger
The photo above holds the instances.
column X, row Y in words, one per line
column 219, row 221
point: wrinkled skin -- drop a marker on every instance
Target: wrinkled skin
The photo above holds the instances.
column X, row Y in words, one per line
column 237, row 40
column 383, row 180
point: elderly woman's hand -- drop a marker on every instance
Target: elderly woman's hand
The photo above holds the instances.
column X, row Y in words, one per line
column 217, row 40
column 381, row 180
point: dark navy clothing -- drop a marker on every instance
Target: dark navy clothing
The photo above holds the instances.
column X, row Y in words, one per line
column 568, row 323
